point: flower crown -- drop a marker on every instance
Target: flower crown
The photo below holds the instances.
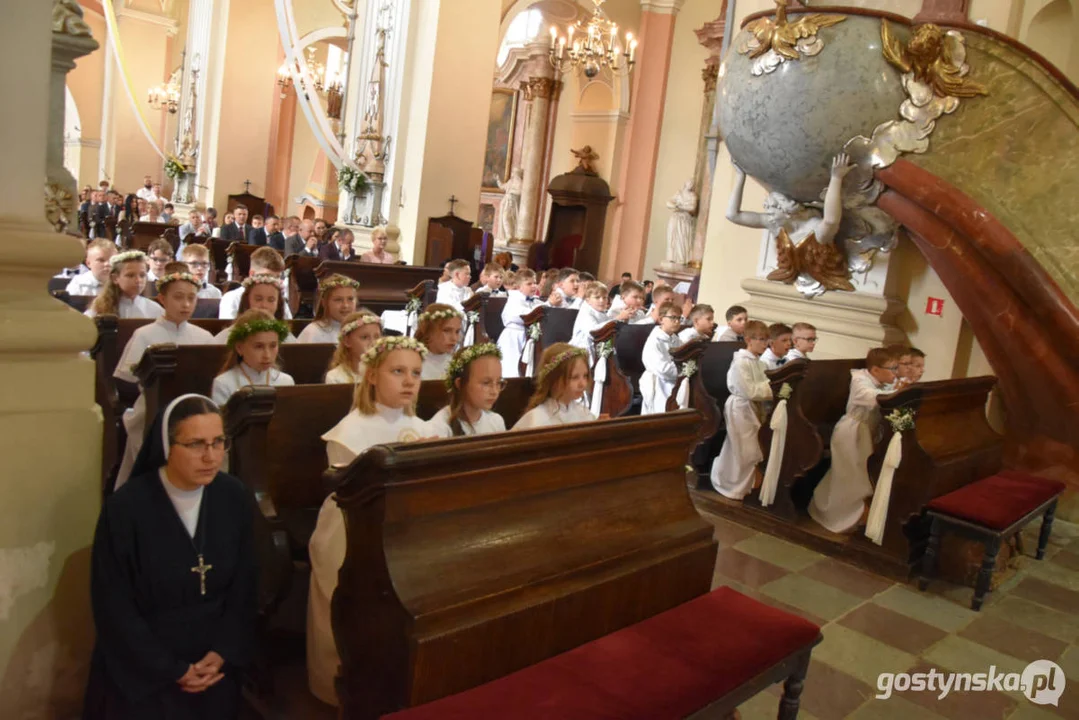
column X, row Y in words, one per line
column 558, row 360
column 338, row 281
column 435, row 316
column 239, row 333
column 172, row 277
column 358, row 323
column 127, row 256
column 262, row 280
column 391, row 343
column 461, row 360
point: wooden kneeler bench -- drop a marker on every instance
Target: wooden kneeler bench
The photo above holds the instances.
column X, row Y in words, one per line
column 715, row 651
column 990, row 510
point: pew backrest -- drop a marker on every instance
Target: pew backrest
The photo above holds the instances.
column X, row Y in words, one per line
column 489, row 324
column 555, row 326
column 302, row 281
column 628, row 349
column 239, row 253
column 617, row 390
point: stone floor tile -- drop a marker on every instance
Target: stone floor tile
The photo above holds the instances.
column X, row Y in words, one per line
column 962, row 705
column 847, row 578
column 746, row 569
column 822, row 600
column 860, row 655
column 1023, row 643
column 894, row 708
column 779, row 552
column 832, row 694
column 926, row 607
column 963, row 655
column 892, row 628
column 1037, row 617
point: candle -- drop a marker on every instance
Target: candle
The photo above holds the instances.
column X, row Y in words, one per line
column 632, row 49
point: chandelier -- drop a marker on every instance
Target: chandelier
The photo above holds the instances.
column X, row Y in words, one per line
column 323, row 81
column 592, row 46
column 165, row 96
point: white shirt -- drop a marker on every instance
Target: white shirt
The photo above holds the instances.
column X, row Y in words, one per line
column 346, row 440
column 209, row 291
column 137, row 307
column 450, row 294
column 588, row 319
column 551, row 412
column 243, row 375
column 728, row 335
column 573, row 303
column 689, row 334
column 222, row 338
column 656, row 355
column 147, row 194
column 187, row 502
column 84, row 284
column 158, row 332
column 641, row 317
column 343, row 375
column 516, row 307
column 434, row 366
column 770, row 359
column 746, row 378
column 317, row 332
column 489, row 422
column 229, row 307
column 795, row 354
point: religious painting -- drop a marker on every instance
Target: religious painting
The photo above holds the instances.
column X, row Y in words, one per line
column 499, row 153
column 487, row 217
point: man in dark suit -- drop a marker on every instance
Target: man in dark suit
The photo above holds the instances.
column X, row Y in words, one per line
column 294, row 242
column 268, row 234
column 310, row 240
column 238, row 229
column 340, row 249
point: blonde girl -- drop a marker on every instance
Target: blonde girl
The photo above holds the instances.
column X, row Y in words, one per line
column 474, row 381
column 254, row 341
column 383, row 411
column 336, row 301
column 560, row 384
column 359, row 333
column 122, row 292
column 260, row 292
column 439, row 329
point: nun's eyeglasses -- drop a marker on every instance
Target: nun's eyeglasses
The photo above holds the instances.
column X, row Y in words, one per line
column 201, row 446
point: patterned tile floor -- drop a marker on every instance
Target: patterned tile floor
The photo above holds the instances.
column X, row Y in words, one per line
column 873, row 625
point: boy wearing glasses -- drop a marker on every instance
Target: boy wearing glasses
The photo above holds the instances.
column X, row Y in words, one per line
column 804, row 339
column 660, row 373
column 197, row 258
column 160, row 254
column 839, row 502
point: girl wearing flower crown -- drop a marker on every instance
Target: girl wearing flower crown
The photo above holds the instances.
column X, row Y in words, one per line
column 383, row 411
column 260, row 292
column 359, row 333
column 177, row 291
column 474, row 381
column 560, row 384
column 336, row 301
column 254, row 340
column 439, row 329
column 519, row 302
column 122, row 293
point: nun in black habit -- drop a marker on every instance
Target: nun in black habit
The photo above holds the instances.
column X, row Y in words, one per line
column 173, row 580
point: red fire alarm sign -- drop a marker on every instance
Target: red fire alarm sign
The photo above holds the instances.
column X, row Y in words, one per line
column 934, row 306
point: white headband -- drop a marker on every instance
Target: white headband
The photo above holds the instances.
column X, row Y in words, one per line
column 168, row 411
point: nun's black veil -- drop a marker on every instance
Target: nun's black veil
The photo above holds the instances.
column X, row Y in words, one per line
column 151, row 455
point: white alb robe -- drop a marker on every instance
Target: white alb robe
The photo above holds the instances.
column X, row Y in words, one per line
column 728, row 335
column 243, row 375
column 641, row 317
column 136, row 307
column 229, row 307
column 435, row 366
column 839, row 500
column 450, row 294
column 551, row 412
column 732, row 471
column 343, row 375
column 210, row 292
column 346, row 440
column 770, row 359
column 84, row 284
column 588, row 319
column 321, row 331
column 573, row 303
column 512, row 340
column 489, row 422
column 795, row 354
column 689, row 335
column 159, row 332
column 660, row 373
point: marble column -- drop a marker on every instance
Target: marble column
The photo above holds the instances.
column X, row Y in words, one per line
column 537, row 92
column 49, row 500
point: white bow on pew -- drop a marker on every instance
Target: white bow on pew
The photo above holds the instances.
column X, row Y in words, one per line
column 599, row 379
column 775, row 453
column 878, row 509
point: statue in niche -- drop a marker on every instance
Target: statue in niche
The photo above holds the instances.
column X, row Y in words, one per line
column 807, row 254
column 511, row 201
column 188, row 147
column 683, row 207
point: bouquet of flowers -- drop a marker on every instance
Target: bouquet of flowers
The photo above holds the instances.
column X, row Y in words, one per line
column 901, row 419
column 173, row 167
column 352, row 180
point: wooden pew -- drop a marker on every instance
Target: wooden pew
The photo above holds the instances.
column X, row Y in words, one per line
column 77, row 302
column 277, row 448
column 302, row 282
column 382, row 287
column 144, row 233
column 951, row 445
column 555, row 326
column 628, row 348
column 489, row 325
column 206, row 309
column 457, row 573
column 707, row 394
column 218, row 257
column 239, row 254
column 617, row 390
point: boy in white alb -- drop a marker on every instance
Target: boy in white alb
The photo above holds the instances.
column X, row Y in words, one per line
column 660, row 373
column 702, row 320
column 779, row 344
column 734, row 471
column 803, row 341
column 264, row 261
column 98, row 254
column 566, row 292
column 631, row 309
column 455, row 291
column 591, row 316
column 492, row 277
column 839, row 500
column 519, row 302
column 736, row 316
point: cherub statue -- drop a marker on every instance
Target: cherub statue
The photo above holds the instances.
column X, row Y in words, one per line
column 585, row 157
column 805, row 240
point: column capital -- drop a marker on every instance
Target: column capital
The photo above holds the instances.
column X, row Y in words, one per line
column 710, row 35
column 538, row 87
column 662, row 7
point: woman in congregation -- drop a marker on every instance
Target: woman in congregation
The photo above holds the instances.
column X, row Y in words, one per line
column 383, row 411
column 439, row 329
column 336, row 301
column 173, row 578
column 474, row 381
column 560, row 385
column 378, row 254
column 177, row 292
column 359, row 333
column 260, row 292
column 122, row 292
column 254, row 341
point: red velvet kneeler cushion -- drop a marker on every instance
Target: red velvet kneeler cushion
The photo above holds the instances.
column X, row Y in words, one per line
column 998, row 500
column 667, row 666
